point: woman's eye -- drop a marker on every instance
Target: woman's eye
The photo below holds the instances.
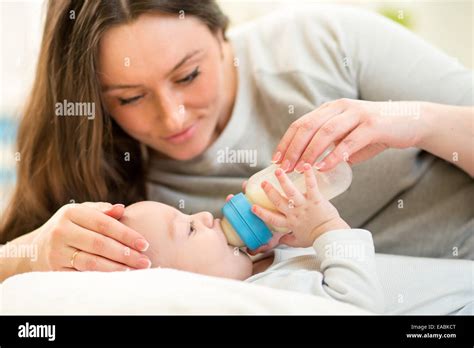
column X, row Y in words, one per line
column 192, row 229
column 190, row 77
column 129, row 100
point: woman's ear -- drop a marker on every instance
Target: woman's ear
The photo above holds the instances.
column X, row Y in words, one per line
column 222, row 35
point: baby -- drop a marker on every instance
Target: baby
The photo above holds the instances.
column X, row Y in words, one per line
column 340, row 264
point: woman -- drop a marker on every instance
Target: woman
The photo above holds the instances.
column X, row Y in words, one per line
column 173, row 95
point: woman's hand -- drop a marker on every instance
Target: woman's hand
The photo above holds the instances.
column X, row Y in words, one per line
column 307, row 215
column 88, row 237
column 361, row 130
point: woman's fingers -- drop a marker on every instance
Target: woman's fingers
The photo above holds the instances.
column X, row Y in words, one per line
column 116, row 211
column 300, row 133
column 331, row 131
column 106, row 247
column 229, row 197
column 102, row 206
column 356, row 140
column 67, row 269
column 294, row 196
column 312, row 190
column 269, row 217
column 284, row 143
column 84, row 261
column 94, row 220
column 298, row 143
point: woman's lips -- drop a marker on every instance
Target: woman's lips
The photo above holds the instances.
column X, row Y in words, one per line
column 183, row 136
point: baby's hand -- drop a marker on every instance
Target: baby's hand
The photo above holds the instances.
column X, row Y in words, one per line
column 307, row 216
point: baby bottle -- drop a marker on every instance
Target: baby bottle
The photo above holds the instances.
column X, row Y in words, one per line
column 243, row 228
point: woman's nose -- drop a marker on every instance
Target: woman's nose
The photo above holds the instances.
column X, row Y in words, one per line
column 173, row 121
column 172, row 112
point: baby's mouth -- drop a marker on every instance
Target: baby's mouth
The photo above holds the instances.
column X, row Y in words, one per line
column 216, row 226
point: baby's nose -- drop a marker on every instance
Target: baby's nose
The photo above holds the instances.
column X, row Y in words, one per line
column 207, row 218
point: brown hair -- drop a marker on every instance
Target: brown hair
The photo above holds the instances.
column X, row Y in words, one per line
column 74, row 158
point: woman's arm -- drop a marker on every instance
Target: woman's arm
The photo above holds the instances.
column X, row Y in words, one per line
column 362, row 129
column 448, row 132
column 10, row 266
column 406, row 87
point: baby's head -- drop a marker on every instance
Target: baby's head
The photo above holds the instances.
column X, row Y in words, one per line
column 193, row 243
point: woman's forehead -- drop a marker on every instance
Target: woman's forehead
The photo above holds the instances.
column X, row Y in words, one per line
column 150, row 39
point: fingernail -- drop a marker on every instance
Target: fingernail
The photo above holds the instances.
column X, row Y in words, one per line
column 299, row 167
column 119, row 205
column 144, row 263
column 141, row 244
column 276, row 157
column 285, row 165
column 320, row 165
column 108, row 208
column 306, row 166
column 278, row 172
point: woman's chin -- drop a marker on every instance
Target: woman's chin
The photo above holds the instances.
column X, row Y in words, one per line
column 187, row 153
column 189, row 149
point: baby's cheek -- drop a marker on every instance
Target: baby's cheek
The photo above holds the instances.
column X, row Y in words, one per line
column 188, row 259
column 155, row 260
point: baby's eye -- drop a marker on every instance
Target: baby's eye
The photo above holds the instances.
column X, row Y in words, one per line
column 192, row 229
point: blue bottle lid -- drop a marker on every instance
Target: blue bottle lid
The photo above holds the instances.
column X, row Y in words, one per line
column 250, row 228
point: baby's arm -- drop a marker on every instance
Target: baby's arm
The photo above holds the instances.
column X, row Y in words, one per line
column 345, row 256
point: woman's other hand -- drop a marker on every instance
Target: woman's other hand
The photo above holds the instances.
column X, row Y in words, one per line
column 88, row 237
column 360, row 130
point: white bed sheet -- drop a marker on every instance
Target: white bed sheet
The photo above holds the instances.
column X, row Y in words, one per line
column 153, row 291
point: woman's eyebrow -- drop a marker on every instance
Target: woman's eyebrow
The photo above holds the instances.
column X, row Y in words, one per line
column 109, row 88
column 184, row 60
column 177, row 66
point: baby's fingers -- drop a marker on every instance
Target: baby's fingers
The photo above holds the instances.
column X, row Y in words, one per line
column 280, row 202
column 289, row 239
column 272, row 243
column 260, row 249
column 312, row 190
column 244, row 186
column 269, row 217
column 289, row 188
